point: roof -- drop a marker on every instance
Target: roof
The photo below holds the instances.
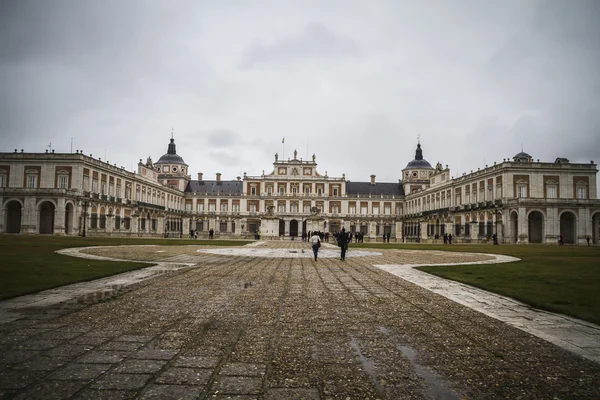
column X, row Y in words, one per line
column 171, row 157
column 415, row 164
column 379, row 188
column 419, row 161
column 214, row 187
column 522, row 155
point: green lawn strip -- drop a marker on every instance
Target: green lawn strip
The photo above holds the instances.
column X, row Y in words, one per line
column 29, row 264
column 562, row 279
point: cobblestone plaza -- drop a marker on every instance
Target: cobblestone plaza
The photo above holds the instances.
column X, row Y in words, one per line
column 267, row 322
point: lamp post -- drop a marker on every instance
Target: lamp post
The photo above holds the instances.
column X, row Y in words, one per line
column 85, row 204
column 496, row 224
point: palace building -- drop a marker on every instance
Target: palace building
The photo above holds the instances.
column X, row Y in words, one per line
column 519, row 200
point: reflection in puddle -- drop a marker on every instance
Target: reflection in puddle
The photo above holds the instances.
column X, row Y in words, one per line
column 435, row 385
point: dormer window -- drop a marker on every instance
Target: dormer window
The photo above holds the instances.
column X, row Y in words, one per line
column 335, row 191
column 253, row 190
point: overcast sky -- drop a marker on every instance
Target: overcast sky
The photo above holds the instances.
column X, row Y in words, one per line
column 354, row 82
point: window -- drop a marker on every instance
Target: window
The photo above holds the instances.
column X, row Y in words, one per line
column 294, row 191
column 319, row 191
column 294, row 208
column 307, row 191
column 376, row 210
column 352, row 210
column 388, row 210
column 223, row 227
column 117, row 222
column 200, row 207
column 551, row 192
column 200, row 226
column 111, row 189
column 86, row 183
column 223, row 206
column 581, row 192
column 2, row 180
column 363, row 210
column 103, row 187
column 253, row 191
column 235, row 208
column 281, row 208
column 31, row 181
column 188, row 207
column 63, row 181
column 128, row 193
column 118, row 193
column 269, row 190
column 521, row 191
column 211, row 207
column 281, row 191
column 252, row 208
column 95, row 185
column 490, row 192
column 306, row 209
column 335, row 209
column 335, row 191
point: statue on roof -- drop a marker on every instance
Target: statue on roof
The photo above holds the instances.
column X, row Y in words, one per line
column 149, row 162
column 314, row 158
column 276, row 156
column 295, row 154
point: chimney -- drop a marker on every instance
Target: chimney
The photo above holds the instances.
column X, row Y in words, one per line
column 372, row 179
column 199, row 176
column 218, row 177
column 239, row 178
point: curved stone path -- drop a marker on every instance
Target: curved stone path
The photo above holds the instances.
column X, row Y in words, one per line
column 254, row 327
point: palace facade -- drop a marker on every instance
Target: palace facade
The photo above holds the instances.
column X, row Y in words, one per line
column 520, row 200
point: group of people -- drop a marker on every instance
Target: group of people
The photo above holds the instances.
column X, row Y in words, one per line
column 342, row 239
column 447, row 238
column 386, row 237
column 308, row 235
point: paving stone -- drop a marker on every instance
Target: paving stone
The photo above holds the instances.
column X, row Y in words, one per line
column 17, row 356
column 17, row 379
column 237, row 385
column 124, row 346
column 121, row 381
column 93, row 394
column 292, row 394
column 140, row 366
column 133, row 338
column 68, row 350
column 155, row 354
column 89, row 340
column 80, row 371
column 58, row 335
column 243, row 369
column 51, row 390
column 43, row 363
column 103, row 357
column 41, row 344
column 179, row 392
column 195, row 362
column 184, row 376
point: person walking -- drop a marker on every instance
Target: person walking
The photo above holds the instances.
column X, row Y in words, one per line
column 315, row 241
column 343, row 243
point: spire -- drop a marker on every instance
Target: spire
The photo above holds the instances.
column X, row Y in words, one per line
column 171, row 149
column 419, row 152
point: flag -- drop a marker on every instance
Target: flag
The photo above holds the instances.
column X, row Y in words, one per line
column 283, row 140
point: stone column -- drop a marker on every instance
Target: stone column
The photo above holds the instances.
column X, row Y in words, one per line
column 2, row 216
column 110, row 223
column 286, row 232
column 523, row 233
column 135, row 221
column 186, row 227
column 551, row 226
column 30, row 216
column 584, row 226
column 160, row 225
column 474, row 228
column 59, row 218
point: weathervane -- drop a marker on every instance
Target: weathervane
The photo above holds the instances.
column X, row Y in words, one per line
column 171, row 133
column 419, row 138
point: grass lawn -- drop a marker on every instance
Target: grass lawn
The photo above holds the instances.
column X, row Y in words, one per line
column 563, row 279
column 28, row 264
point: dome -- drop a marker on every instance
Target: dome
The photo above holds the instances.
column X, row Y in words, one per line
column 522, row 155
column 171, row 157
column 419, row 162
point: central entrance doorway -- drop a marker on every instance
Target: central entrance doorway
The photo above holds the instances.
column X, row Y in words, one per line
column 293, row 227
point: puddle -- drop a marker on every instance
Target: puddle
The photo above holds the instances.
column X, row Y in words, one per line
column 435, row 386
column 368, row 365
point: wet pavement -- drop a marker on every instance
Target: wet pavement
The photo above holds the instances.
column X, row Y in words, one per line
column 253, row 326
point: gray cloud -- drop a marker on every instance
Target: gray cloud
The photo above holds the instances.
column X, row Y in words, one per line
column 352, row 82
column 316, row 40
